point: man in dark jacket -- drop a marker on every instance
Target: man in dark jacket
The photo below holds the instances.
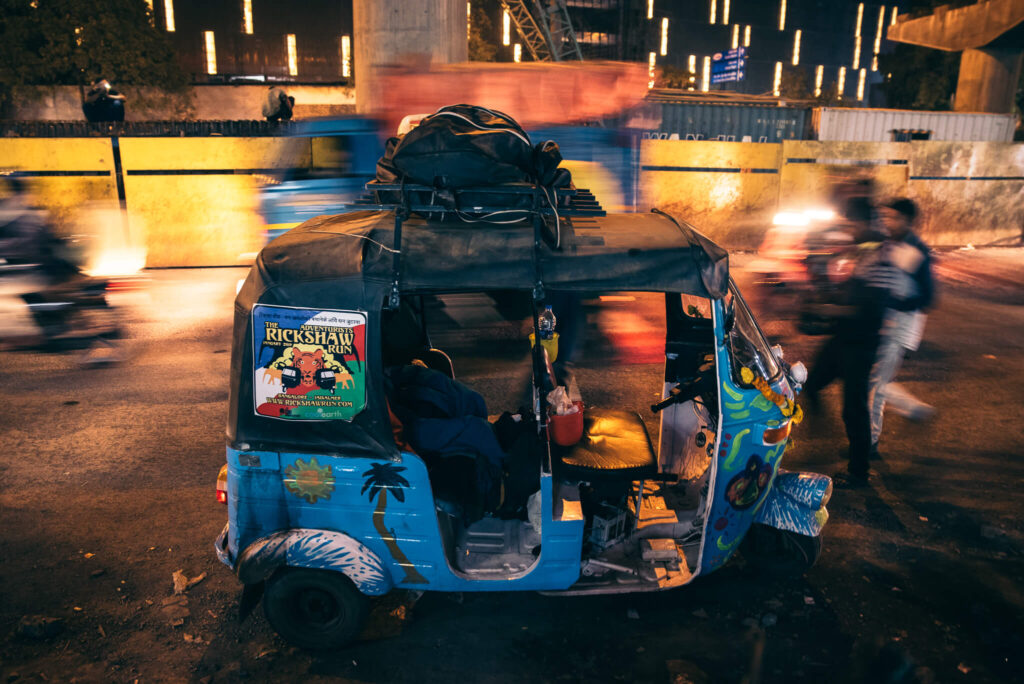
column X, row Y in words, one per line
column 850, row 353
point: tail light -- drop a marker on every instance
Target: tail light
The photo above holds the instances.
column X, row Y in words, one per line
column 122, row 285
column 776, row 434
column 222, row 484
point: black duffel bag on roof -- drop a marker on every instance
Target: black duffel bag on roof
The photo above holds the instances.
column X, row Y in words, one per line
column 457, row 147
column 462, row 146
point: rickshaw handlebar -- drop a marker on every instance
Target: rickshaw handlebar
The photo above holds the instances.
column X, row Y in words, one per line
column 684, row 391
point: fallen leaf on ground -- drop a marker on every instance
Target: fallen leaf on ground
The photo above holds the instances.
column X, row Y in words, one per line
column 195, row 580
column 180, row 581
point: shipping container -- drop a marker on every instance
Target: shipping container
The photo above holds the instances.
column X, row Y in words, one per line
column 901, row 125
column 766, row 123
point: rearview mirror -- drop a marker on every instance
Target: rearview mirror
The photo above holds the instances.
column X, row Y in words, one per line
column 798, row 372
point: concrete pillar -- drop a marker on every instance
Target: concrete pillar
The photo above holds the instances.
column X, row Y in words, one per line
column 387, row 31
column 988, row 80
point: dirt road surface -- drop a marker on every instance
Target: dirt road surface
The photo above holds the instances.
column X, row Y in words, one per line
column 107, row 488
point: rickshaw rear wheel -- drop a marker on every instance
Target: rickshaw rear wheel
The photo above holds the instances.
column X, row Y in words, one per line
column 314, row 609
column 781, row 553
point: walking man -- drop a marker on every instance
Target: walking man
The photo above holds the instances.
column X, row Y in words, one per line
column 904, row 319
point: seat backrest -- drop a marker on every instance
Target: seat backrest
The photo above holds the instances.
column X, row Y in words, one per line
column 435, row 359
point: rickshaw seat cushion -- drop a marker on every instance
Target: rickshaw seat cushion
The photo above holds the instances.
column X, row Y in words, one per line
column 615, row 445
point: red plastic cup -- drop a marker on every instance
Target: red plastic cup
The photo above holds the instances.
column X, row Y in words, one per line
column 568, row 429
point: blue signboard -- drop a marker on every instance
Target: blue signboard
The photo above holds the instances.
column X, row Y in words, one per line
column 729, row 66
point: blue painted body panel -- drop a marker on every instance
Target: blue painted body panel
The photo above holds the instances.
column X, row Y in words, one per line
column 260, row 504
column 319, row 550
column 296, row 201
column 377, row 520
column 796, row 503
column 742, row 458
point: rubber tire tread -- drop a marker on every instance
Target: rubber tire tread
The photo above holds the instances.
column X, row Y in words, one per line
column 281, row 591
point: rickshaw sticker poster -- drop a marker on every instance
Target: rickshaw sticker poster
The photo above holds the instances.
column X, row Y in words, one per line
column 308, row 364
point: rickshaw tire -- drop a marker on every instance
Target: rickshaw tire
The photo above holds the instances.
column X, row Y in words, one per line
column 314, row 609
column 781, row 553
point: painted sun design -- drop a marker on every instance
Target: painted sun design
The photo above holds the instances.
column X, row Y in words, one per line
column 309, row 480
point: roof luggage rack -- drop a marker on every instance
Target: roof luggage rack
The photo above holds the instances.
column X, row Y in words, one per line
column 481, row 201
column 488, row 204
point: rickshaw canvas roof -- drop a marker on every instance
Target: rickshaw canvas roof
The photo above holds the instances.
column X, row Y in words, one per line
column 644, row 252
column 344, row 265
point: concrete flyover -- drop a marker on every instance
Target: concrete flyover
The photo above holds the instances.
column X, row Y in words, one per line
column 989, row 33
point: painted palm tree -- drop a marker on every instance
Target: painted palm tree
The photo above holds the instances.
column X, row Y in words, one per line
column 380, row 478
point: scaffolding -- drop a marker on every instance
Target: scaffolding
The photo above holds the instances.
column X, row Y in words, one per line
column 546, row 32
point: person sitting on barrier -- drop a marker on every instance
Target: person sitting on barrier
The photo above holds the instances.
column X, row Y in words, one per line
column 278, row 105
column 103, row 103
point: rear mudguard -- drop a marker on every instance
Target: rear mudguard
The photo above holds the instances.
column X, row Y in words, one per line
column 316, row 549
column 796, row 502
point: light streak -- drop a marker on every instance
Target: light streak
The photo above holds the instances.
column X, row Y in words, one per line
column 211, row 53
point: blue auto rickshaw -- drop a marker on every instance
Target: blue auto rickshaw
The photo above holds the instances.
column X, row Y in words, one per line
column 326, row 164
column 326, row 510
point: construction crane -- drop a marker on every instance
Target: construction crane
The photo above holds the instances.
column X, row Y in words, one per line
column 546, row 31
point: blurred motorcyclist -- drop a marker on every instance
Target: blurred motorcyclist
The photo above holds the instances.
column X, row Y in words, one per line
column 42, row 291
column 26, row 236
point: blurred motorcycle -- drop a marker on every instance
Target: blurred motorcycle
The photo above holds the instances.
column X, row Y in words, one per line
column 70, row 314
column 801, row 261
column 46, row 300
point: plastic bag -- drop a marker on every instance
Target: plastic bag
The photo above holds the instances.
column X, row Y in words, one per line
column 560, row 404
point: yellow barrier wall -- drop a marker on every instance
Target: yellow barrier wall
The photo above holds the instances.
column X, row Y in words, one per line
column 726, row 189
column 192, row 201
column 810, row 169
column 89, row 161
column 198, row 219
column 969, row 192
